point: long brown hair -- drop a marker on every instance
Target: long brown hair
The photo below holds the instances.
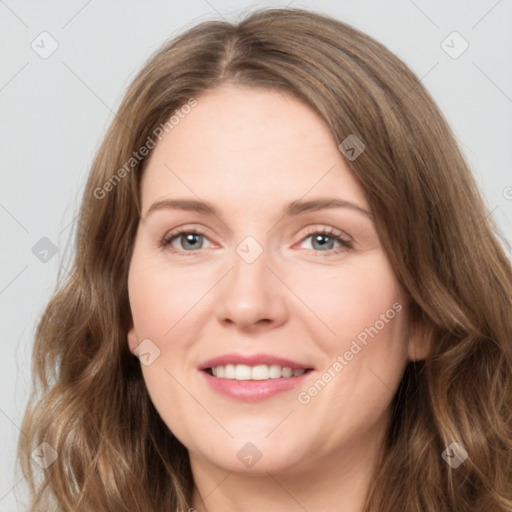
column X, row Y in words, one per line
column 90, row 402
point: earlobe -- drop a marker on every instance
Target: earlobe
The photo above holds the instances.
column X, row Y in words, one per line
column 418, row 342
column 132, row 338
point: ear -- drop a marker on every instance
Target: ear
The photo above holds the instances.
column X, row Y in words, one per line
column 418, row 341
column 132, row 338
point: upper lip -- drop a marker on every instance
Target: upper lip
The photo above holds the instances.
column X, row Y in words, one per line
column 252, row 360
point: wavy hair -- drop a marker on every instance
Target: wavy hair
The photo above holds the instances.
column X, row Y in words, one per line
column 89, row 401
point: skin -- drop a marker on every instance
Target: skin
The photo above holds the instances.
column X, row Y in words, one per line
column 250, row 152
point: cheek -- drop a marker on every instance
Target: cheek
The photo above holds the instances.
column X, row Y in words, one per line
column 161, row 300
column 362, row 334
column 162, row 296
column 365, row 349
column 349, row 298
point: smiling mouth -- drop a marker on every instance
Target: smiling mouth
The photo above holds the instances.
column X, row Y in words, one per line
column 259, row 372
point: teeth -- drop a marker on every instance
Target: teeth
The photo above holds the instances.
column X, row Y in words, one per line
column 259, row 372
column 242, row 372
column 229, row 371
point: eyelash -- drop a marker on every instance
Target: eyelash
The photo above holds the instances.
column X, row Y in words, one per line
column 345, row 244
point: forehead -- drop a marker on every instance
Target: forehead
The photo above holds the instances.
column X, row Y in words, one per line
column 248, row 144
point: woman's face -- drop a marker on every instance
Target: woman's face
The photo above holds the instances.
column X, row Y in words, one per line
column 255, row 291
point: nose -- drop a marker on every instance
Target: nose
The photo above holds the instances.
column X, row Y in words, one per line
column 252, row 296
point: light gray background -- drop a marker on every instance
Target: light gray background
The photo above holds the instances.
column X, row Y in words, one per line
column 55, row 111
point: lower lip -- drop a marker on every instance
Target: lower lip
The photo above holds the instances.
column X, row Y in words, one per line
column 253, row 390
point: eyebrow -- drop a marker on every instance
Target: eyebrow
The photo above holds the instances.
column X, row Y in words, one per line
column 294, row 208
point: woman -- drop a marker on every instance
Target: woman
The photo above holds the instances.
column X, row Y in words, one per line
column 337, row 334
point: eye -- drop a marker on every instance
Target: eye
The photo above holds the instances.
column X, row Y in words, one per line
column 323, row 239
column 191, row 240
